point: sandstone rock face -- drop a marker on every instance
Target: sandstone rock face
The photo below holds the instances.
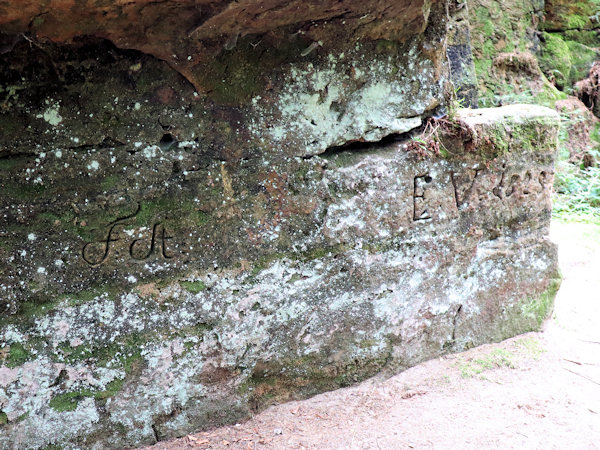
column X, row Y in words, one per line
column 185, row 243
column 189, row 34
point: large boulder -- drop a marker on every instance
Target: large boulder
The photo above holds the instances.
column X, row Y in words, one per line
column 242, row 203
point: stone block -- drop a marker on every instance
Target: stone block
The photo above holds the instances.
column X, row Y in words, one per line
column 185, row 243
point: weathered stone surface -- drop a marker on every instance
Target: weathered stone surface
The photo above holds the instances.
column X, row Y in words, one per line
column 588, row 90
column 460, row 55
column 188, row 34
column 391, row 259
column 183, row 247
column 580, row 131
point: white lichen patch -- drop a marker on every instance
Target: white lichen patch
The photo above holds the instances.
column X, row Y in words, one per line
column 94, row 165
column 339, row 102
column 51, row 115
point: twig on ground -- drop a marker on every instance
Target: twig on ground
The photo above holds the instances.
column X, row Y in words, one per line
column 589, row 342
column 582, row 376
column 580, row 363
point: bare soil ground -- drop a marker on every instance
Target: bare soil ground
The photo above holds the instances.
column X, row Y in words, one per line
column 539, row 390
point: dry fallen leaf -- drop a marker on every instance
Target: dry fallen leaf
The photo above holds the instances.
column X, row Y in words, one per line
column 411, row 394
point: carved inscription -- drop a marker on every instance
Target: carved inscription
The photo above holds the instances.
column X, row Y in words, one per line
column 96, row 253
column 137, row 247
column 480, row 181
column 420, row 211
column 455, row 189
column 524, row 184
column 469, row 178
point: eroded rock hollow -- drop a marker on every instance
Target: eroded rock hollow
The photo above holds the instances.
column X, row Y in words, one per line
column 211, row 206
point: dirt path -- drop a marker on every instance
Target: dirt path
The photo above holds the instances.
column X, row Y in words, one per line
column 539, row 390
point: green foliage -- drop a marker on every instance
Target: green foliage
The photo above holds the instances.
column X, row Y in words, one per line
column 577, row 192
column 576, row 189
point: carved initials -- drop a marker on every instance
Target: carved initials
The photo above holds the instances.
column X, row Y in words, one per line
column 136, row 248
column 163, row 248
column 87, row 248
column 460, row 198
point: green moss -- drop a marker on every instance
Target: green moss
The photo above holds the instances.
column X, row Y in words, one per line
column 31, row 309
column 112, row 389
column 385, row 46
column 538, row 309
column 69, row 400
column 295, row 278
column 109, row 182
column 588, row 38
column 203, row 218
column 484, row 21
column 3, row 418
column 17, row 355
column 124, row 353
column 193, row 287
column 82, row 297
column 25, row 192
column 8, row 164
column 237, row 75
column 150, row 209
column 555, row 59
column 577, row 21
column 582, row 58
column 265, row 261
column 75, row 354
column 548, row 96
column 488, row 50
column 22, row 417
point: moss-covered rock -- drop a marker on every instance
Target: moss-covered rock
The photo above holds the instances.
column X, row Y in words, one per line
column 578, row 20
column 555, row 59
column 505, row 44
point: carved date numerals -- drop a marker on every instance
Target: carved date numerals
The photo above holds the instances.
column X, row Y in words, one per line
column 420, row 211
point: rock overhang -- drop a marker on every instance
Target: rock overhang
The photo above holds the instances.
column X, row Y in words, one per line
column 188, row 34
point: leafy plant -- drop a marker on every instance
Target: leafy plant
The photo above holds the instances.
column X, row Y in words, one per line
column 576, row 189
column 577, row 193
